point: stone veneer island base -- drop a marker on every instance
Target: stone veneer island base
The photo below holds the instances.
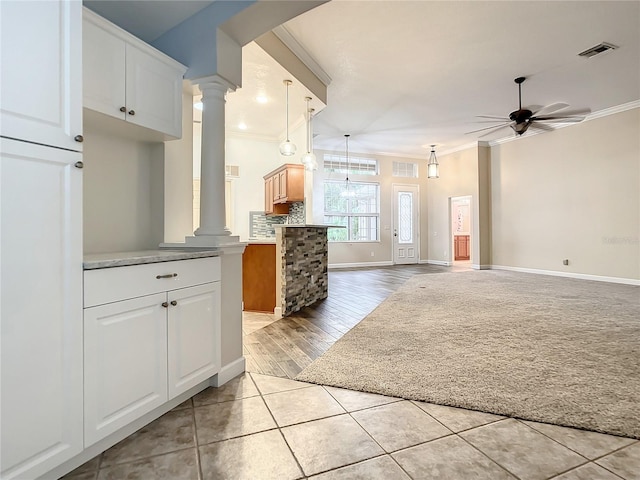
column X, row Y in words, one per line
column 301, row 267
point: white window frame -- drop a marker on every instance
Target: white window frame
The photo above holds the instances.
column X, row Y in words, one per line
column 351, row 215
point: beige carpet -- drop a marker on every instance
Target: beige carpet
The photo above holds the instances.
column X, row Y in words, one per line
column 549, row 349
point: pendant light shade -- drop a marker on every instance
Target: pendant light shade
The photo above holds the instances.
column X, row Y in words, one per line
column 309, row 159
column 287, row 148
column 432, row 166
column 348, row 187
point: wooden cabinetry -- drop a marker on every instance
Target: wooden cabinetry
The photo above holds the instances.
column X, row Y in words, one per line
column 41, row 239
column 283, row 186
column 127, row 79
column 140, row 351
column 461, row 247
column 259, row 277
column 41, row 74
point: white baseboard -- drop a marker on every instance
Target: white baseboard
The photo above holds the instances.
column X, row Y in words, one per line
column 335, row 266
column 228, row 372
column 481, row 267
column 581, row 276
column 437, row 262
column 277, row 312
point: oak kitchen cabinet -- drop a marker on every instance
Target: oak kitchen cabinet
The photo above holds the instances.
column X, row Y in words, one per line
column 151, row 332
column 128, row 79
column 283, row 186
column 41, row 239
column 461, row 247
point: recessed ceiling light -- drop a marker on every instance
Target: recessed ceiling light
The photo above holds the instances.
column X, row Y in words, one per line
column 198, row 106
column 242, row 126
column 262, row 99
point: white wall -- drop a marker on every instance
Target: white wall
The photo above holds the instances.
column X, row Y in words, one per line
column 570, row 194
column 123, row 183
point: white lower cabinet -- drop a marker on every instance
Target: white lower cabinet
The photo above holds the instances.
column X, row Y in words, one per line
column 125, row 363
column 141, row 352
column 193, row 346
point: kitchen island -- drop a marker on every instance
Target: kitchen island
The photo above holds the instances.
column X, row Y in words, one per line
column 299, row 265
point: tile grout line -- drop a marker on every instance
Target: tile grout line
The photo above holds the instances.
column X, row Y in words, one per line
column 196, row 440
column 304, row 474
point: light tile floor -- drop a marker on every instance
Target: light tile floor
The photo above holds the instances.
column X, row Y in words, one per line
column 259, row 428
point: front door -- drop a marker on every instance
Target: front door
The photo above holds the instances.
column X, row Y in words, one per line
column 405, row 224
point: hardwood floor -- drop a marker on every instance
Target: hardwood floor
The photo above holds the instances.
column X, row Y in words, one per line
column 285, row 346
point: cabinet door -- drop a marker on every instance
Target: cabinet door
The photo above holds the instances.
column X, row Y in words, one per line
column 41, row 74
column 276, row 187
column 194, row 336
column 268, row 196
column 154, row 93
column 282, row 178
column 41, row 298
column 103, row 70
column 125, row 363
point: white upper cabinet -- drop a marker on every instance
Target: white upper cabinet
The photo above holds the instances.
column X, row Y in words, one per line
column 41, row 74
column 127, row 79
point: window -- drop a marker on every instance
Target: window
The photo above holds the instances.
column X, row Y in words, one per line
column 357, row 165
column 408, row 169
column 359, row 213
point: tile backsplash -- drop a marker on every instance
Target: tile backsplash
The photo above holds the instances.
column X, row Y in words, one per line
column 262, row 226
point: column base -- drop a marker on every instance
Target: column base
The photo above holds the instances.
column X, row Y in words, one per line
column 205, row 241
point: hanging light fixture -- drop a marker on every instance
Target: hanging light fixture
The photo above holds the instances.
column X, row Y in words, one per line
column 348, row 187
column 432, row 166
column 287, row 148
column 309, row 159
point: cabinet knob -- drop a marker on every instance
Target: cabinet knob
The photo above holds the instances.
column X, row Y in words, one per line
column 123, row 109
column 168, row 275
column 174, row 303
column 164, row 304
column 79, row 138
column 132, row 112
column 78, row 165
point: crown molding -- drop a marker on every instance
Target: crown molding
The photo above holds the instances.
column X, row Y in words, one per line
column 298, row 50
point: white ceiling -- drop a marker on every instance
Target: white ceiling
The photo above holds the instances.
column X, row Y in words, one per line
column 406, row 74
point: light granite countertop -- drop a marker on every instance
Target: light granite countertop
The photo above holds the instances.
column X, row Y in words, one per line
column 303, row 225
column 262, row 241
column 121, row 259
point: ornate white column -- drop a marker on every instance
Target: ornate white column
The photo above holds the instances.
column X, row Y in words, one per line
column 212, row 231
column 212, row 176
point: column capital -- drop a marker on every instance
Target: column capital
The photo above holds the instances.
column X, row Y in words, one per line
column 215, row 82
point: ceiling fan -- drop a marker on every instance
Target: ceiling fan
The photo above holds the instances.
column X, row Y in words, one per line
column 520, row 120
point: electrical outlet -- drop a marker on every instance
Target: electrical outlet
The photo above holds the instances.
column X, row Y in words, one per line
column 372, row 254
column 565, row 261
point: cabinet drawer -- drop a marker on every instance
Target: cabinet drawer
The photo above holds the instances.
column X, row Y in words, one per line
column 119, row 283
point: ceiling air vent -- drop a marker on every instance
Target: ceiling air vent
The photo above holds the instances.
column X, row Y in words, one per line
column 232, row 170
column 598, row 49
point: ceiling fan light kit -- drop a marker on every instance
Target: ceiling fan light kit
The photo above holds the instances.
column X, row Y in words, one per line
column 287, row 148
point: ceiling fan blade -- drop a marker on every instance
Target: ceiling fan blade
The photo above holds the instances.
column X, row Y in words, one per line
column 506, row 125
column 493, row 117
column 554, row 107
column 496, row 127
column 541, row 126
column 558, row 119
column 581, row 112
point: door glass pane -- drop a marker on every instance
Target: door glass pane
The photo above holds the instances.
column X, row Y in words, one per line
column 405, row 217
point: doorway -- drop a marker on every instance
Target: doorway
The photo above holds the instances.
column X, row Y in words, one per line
column 460, row 208
column 406, row 224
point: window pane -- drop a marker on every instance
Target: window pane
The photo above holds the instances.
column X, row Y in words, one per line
column 363, row 229
column 357, row 165
column 405, row 217
column 336, row 234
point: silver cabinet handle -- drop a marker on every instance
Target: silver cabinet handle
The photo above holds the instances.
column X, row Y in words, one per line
column 79, row 138
column 123, row 109
column 165, row 304
column 174, row 303
column 78, row 165
column 132, row 112
column 168, row 275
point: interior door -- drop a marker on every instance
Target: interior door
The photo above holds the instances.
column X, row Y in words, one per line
column 405, row 224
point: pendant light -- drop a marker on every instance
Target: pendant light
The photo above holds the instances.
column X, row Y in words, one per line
column 348, row 190
column 309, row 159
column 432, row 166
column 287, row 148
